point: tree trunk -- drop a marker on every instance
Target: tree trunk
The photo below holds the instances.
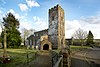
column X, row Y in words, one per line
column 5, row 46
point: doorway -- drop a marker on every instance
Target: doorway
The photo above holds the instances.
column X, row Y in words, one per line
column 46, row 47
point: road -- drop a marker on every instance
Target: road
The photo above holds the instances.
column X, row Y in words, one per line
column 86, row 58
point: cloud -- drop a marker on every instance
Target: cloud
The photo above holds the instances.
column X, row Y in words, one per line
column 1, row 14
column 95, row 28
column 32, row 3
column 39, row 23
column 70, row 27
column 15, row 14
column 23, row 7
column 91, row 23
column 91, row 20
column 22, row 19
column 24, row 24
column 72, row 24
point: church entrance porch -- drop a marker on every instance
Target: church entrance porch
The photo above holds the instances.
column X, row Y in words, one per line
column 46, row 45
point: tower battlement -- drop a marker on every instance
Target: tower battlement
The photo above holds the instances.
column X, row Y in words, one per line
column 56, row 8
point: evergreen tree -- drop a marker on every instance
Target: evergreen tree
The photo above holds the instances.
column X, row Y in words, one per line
column 90, row 38
column 11, row 25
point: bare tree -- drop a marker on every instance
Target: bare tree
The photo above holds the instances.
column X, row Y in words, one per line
column 80, row 35
column 26, row 33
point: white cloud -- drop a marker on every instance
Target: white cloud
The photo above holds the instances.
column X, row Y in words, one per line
column 32, row 3
column 95, row 28
column 23, row 22
column 91, row 23
column 39, row 23
column 15, row 14
column 72, row 24
column 70, row 27
column 1, row 14
column 26, row 25
column 91, row 20
column 98, row 13
column 23, row 7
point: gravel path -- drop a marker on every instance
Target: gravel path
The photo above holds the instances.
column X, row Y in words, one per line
column 43, row 60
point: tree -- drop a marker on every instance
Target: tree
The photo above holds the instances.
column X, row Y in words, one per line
column 5, row 45
column 0, row 31
column 26, row 33
column 11, row 25
column 90, row 38
column 80, row 35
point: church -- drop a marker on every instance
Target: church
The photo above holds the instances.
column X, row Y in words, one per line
column 54, row 36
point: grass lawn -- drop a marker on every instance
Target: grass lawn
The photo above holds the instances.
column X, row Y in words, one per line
column 78, row 48
column 18, row 57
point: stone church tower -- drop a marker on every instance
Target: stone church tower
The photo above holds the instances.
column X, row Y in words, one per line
column 56, row 31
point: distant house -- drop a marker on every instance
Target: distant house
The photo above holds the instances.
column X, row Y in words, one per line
column 73, row 42
column 97, row 41
column 68, row 41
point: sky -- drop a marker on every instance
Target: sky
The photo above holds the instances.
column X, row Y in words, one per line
column 33, row 14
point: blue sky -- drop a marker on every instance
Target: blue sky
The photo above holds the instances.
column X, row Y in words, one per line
column 33, row 14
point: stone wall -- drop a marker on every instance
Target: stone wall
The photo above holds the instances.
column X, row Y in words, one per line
column 38, row 35
column 56, row 31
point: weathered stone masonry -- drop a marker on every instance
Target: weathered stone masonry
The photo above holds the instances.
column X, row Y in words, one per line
column 54, row 36
column 56, row 31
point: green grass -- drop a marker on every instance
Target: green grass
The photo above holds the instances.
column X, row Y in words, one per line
column 18, row 57
column 78, row 48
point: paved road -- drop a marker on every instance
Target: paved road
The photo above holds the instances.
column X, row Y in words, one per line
column 83, row 63
column 86, row 58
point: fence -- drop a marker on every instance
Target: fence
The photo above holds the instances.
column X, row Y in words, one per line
column 57, row 60
column 30, row 56
column 59, row 63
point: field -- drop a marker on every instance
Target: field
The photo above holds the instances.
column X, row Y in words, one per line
column 78, row 48
column 19, row 57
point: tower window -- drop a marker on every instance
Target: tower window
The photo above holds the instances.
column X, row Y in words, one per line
column 52, row 17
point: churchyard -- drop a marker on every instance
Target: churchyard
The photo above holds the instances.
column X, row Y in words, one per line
column 17, row 57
